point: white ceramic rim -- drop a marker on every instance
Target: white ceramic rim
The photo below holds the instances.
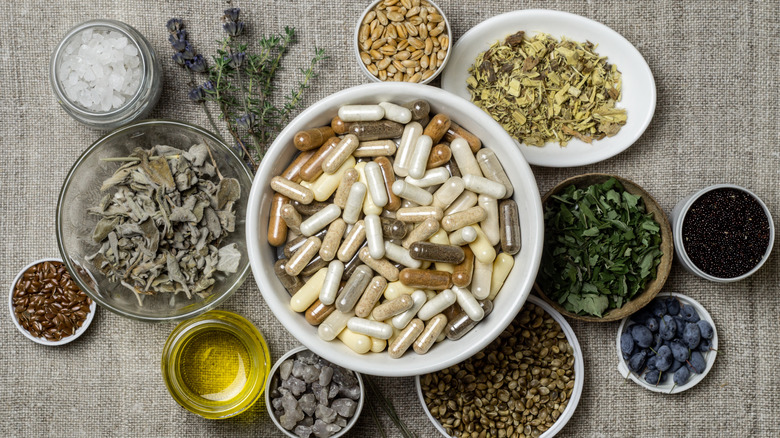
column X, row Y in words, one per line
column 269, row 408
column 668, row 387
column 638, row 82
column 480, row 123
column 579, row 376
column 363, row 67
column 44, row 341
column 678, row 219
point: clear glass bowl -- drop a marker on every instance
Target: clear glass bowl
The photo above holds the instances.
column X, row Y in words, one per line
column 81, row 190
column 134, row 108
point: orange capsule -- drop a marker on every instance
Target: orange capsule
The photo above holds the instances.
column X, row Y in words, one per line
column 313, row 168
column 312, row 138
column 277, row 228
column 425, row 278
column 439, row 156
column 317, row 312
column 339, row 126
column 456, row 131
column 293, row 171
column 388, row 176
column 437, row 127
column 461, row 275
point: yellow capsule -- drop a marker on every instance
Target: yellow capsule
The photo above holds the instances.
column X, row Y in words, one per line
column 326, row 184
column 395, row 289
column 483, row 250
column 309, row 293
column 501, row 269
column 378, row 345
column 360, row 344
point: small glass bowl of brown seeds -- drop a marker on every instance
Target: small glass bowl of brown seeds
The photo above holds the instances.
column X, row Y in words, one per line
column 47, row 305
column 402, row 40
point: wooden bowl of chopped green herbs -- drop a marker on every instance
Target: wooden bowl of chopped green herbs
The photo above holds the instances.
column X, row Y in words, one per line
column 607, row 248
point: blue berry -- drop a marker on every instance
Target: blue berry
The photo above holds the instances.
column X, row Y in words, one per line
column 705, row 345
column 637, row 362
column 706, row 329
column 626, row 343
column 641, row 316
column 672, row 306
column 653, row 377
column 642, row 335
column 689, row 313
column 681, row 376
column 664, row 358
column 652, row 324
column 658, row 308
column 657, row 342
column 680, row 323
column 675, row 366
column 697, row 362
column 679, row 351
column 651, row 363
column 667, row 328
column 691, row 335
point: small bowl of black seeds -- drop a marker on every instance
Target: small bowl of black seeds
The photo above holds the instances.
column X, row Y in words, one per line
column 722, row 233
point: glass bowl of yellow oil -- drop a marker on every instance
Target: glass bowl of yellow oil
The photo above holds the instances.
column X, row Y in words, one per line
column 216, row 364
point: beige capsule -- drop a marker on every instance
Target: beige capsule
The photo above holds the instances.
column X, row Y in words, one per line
column 423, row 231
column 341, row 152
column 332, row 239
column 382, row 266
column 292, row 190
column 428, row 336
column 303, row 256
column 342, row 192
column 291, row 217
column 370, row 296
column 352, row 242
column 390, row 308
column 463, row 218
column 419, row 214
column 406, row 338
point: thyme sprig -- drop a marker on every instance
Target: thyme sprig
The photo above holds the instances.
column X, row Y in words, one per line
column 389, row 409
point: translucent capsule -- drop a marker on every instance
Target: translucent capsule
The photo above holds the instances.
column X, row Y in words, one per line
column 388, row 179
column 484, row 186
column 370, row 296
column 354, row 288
column 361, row 113
column 312, row 138
column 375, row 148
column 376, row 184
column 396, row 113
column 352, row 242
column 375, row 329
column 401, row 255
column 309, row 293
column 436, row 253
column 381, row 129
column 357, row 342
column 332, row 239
column 405, row 339
column 352, row 264
column 423, row 231
column 277, row 228
column 483, row 250
column 403, row 155
column 461, row 153
column 461, row 324
column 468, row 303
column 392, row 229
column 461, row 219
column 345, row 185
column 439, row 156
column 466, row 200
column 463, row 236
column 425, row 278
column 330, row 286
column 339, row 126
column 303, row 256
column 452, row 167
column 492, row 169
column 312, row 169
column 419, row 159
column 320, row 220
column 418, row 300
column 456, row 131
column 432, row 330
column 295, row 244
column 431, row 177
column 333, row 325
column 340, row 153
column 418, row 214
column 293, row 171
column 376, row 244
column 380, row 265
column 313, row 266
column 411, row 192
column 440, row 238
column 490, row 224
column 462, row 274
column 419, row 108
column 395, row 289
column 317, row 312
column 502, row 266
column 326, row 184
column 509, row 226
column 437, row 127
column 291, row 283
column 291, row 190
column 391, row 308
column 354, row 204
column 445, row 195
column 480, row 281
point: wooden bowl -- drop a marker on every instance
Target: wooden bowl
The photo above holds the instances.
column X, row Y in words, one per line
column 655, row 285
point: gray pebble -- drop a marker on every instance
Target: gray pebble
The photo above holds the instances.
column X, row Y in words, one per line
column 289, row 403
column 307, row 402
column 325, row 413
column 291, row 418
column 285, row 368
column 333, row 391
column 283, row 391
column 297, row 369
column 323, row 430
column 296, row 385
column 344, row 377
column 344, row 406
column 307, row 357
column 310, row 373
column 325, row 375
column 307, row 421
column 340, row 421
column 321, row 392
column 302, row 431
column 352, row 392
column 276, row 403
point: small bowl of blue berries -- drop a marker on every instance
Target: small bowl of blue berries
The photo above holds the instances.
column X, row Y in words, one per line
column 669, row 345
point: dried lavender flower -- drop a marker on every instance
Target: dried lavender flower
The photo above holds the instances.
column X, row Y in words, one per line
column 237, row 59
column 188, row 52
column 178, row 58
column 174, row 24
column 197, row 94
column 178, row 40
column 231, row 14
column 234, row 28
column 197, row 64
column 246, row 121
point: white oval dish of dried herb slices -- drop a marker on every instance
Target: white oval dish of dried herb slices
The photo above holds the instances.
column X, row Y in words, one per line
column 638, row 87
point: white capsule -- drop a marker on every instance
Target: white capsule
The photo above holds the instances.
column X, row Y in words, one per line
column 481, row 279
column 484, row 186
column 464, row 158
column 463, row 236
column 396, row 113
column 419, row 160
column 466, row 200
column 411, row 192
column 334, row 324
column 403, row 154
column 490, row 224
column 330, row 287
column 431, row 178
column 468, row 303
column 320, row 220
column 361, row 113
column 376, row 244
column 401, row 255
column 375, row 329
column 400, row 321
column 437, row 304
column 369, row 207
column 354, row 204
column 491, row 168
column 448, row 192
column 376, row 184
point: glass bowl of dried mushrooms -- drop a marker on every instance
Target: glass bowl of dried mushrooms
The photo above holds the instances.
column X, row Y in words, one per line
column 151, row 221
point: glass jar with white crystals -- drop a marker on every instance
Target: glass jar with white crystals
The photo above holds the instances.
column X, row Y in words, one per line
column 105, row 74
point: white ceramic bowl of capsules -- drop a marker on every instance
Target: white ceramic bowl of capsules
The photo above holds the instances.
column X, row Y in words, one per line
column 579, row 375
column 517, row 285
column 668, row 386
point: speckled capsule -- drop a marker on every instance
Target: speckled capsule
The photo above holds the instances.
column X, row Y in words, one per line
column 391, row 308
column 277, row 228
column 352, row 242
column 461, row 324
column 309, row 209
column 424, row 230
column 425, row 278
column 340, row 153
column 396, row 113
column 312, row 138
column 509, row 226
column 376, row 130
column 492, row 169
column 356, row 285
column 312, row 169
column 317, row 312
column 292, row 190
column 380, row 265
column 290, row 283
column 435, row 252
column 361, row 113
column 291, row 218
column 401, row 320
column 418, row 195
column 375, row 148
column 456, row 131
column 463, row 272
column 303, row 256
column 295, row 244
column 432, row 330
column 388, row 179
column 405, row 339
column 370, row 296
column 332, row 239
column 342, row 192
column 461, row 219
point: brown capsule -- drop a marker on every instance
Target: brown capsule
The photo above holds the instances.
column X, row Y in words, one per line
column 419, row 108
column 437, row 127
column 452, row 166
column 293, row 171
column 451, row 311
column 388, row 177
column 310, row 208
column 461, row 324
column 436, row 252
column 339, row 126
column 456, row 131
column 439, row 156
column 378, row 130
column 425, row 279
column 317, row 312
column 277, row 229
column 313, row 168
column 314, row 265
column 392, row 229
column 461, row 274
column 312, row 138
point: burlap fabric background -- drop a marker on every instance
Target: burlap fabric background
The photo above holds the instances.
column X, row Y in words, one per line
column 716, row 70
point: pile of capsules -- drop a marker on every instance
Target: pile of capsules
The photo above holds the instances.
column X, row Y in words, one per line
column 393, row 246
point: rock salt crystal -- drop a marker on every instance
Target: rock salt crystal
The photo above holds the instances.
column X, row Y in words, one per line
column 101, row 70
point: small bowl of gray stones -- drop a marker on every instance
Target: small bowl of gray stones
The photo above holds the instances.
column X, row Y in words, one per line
column 308, row 396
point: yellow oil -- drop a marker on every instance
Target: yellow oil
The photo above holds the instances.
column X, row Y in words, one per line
column 215, row 366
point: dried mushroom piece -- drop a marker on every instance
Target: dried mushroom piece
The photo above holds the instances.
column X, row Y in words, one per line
column 160, row 230
column 543, row 90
